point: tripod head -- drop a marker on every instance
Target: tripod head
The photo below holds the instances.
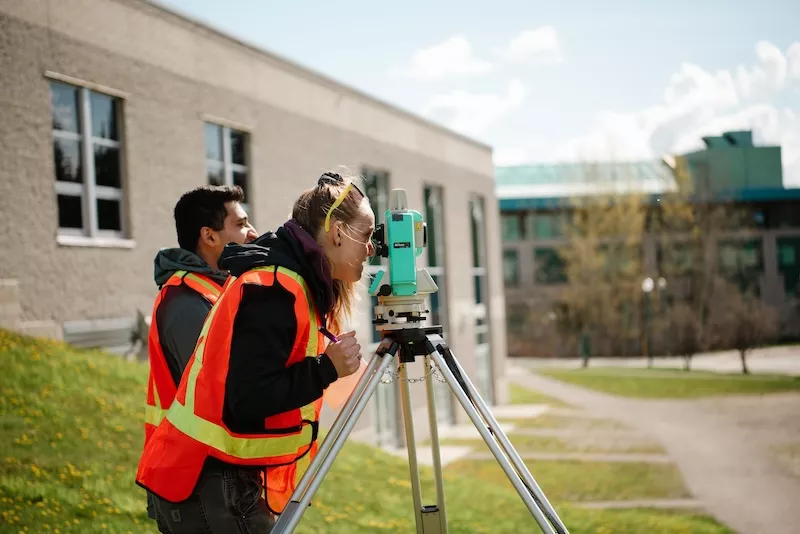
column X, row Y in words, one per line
column 401, row 287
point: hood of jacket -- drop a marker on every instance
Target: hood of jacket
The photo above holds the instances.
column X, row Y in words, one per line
column 169, row 260
column 290, row 246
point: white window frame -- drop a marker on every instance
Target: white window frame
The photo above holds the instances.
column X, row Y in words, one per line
column 483, row 354
column 227, row 165
column 88, row 191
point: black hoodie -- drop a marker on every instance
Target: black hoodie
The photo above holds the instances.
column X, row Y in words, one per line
column 259, row 384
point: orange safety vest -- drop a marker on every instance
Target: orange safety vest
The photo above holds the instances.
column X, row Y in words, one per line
column 160, row 386
column 193, row 430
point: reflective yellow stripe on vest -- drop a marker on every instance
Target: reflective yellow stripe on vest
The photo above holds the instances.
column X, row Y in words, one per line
column 186, row 421
column 154, row 414
column 213, row 290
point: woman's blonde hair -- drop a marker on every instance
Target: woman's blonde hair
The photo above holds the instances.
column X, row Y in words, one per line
column 310, row 211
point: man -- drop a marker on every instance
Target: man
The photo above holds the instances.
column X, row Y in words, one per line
column 190, row 281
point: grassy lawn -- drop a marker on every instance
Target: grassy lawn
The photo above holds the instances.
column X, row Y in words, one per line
column 587, row 481
column 72, row 430
column 521, row 395
column 667, row 383
column 582, row 443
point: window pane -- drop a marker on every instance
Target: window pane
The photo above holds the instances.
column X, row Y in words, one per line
column 550, row 267
column 70, row 214
column 64, row 100
column 238, row 147
column 510, row 267
column 67, row 159
column 240, row 179
column 106, row 166
column 104, row 116
column 215, row 175
column 479, row 296
column 510, row 227
column 213, row 142
column 108, row 215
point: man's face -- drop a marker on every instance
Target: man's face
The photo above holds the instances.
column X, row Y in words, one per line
column 237, row 228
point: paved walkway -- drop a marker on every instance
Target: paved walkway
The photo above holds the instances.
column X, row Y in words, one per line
column 583, row 457
column 777, row 360
column 724, row 447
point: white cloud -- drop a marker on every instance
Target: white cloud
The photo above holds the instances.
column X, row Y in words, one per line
column 534, row 47
column 766, row 78
column 471, row 113
column 453, row 57
column 697, row 103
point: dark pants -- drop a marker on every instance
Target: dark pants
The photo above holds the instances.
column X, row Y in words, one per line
column 226, row 499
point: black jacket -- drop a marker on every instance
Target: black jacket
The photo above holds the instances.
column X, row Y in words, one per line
column 258, row 383
column 182, row 311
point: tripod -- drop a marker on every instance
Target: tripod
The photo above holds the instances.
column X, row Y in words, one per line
column 412, row 341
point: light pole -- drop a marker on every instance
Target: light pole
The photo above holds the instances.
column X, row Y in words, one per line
column 648, row 284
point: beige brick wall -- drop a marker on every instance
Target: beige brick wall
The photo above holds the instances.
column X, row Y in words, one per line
column 173, row 74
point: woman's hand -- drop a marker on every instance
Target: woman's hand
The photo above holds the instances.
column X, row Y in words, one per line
column 345, row 354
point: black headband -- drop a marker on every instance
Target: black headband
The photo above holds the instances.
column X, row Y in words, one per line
column 332, row 178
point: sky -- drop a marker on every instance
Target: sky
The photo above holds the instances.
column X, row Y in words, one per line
column 551, row 81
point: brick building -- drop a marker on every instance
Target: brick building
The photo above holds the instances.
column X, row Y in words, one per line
column 112, row 108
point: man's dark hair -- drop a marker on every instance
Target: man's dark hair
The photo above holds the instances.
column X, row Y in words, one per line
column 203, row 206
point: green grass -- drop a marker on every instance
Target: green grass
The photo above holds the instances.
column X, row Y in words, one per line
column 521, row 395
column 72, row 434
column 570, row 480
column 667, row 383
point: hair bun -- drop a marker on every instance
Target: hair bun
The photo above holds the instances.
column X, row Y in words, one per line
column 330, row 178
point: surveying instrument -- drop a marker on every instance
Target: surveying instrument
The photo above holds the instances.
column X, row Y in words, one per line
column 401, row 290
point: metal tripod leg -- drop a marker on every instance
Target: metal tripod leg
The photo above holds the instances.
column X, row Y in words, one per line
column 473, row 404
column 430, row 519
column 333, row 442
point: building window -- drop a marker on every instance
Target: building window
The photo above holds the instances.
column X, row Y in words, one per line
column 434, row 218
column 550, row 267
column 544, row 225
column 227, row 158
column 376, row 187
column 741, row 262
column 789, row 264
column 510, row 227
column 510, row 268
column 87, row 153
column 484, row 378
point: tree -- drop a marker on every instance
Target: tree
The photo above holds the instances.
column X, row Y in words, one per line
column 602, row 261
column 688, row 223
column 685, row 332
column 743, row 321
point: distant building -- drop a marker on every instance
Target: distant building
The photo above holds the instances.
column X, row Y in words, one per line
column 763, row 251
column 111, row 109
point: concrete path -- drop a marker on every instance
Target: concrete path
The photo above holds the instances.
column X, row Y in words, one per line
column 582, row 457
column 777, row 360
column 724, row 447
column 669, row 504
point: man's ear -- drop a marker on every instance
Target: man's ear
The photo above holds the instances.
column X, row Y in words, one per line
column 208, row 236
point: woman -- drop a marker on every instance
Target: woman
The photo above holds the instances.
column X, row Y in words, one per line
column 248, row 403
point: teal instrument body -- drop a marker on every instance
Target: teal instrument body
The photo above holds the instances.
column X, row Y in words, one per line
column 403, row 251
column 401, row 239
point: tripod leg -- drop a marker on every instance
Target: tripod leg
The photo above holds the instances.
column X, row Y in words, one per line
column 465, row 397
column 436, row 453
column 408, row 420
column 330, row 447
column 506, row 445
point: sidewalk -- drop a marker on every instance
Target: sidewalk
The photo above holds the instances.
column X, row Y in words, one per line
column 777, row 360
column 722, row 447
